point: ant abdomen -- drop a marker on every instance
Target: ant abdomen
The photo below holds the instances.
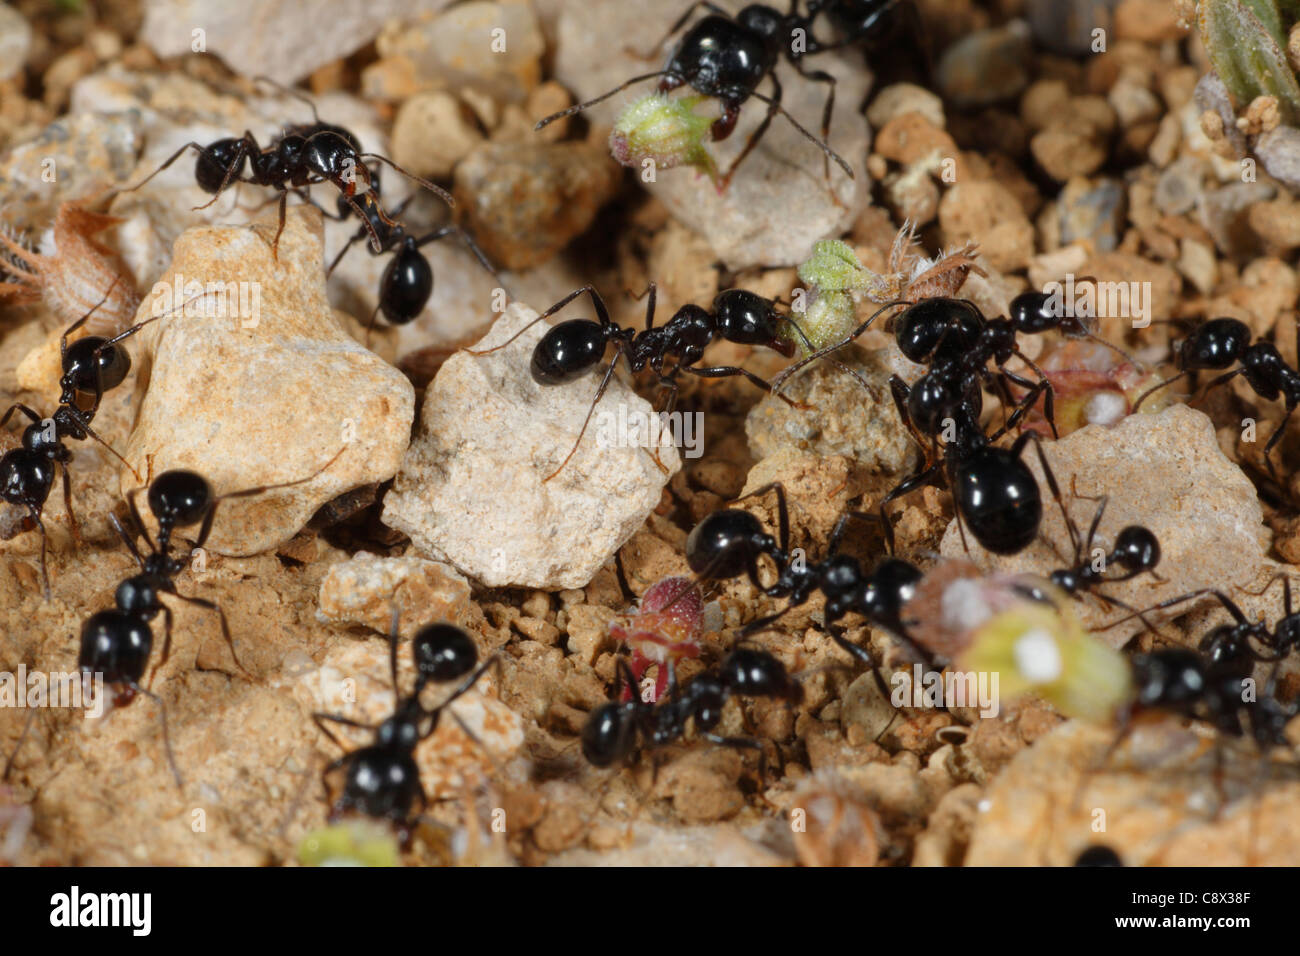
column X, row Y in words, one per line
column 180, row 497
column 443, row 652
column 724, row 543
column 1137, row 548
column 997, row 496
column 213, row 167
column 568, row 351
column 115, row 644
column 608, row 735
column 405, row 286
column 938, row 328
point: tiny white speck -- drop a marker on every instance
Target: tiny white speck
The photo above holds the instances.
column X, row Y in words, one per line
column 984, row 806
column 1038, row 657
column 1105, row 408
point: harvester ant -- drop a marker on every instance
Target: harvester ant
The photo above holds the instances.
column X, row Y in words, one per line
column 728, row 543
column 92, row 365
column 617, row 730
column 382, row 780
column 727, row 57
column 301, row 157
column 1219, row 344
column 571, row 349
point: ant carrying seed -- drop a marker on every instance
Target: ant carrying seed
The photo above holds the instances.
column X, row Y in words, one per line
column 383, row 780
column 618, row 730
column 1219, row 344
column 407, row 282
column 728, row 544
column 727, row 57
column 573, row 348
column 303, row 156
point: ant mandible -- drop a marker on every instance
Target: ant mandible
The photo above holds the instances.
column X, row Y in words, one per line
column 617, row 730
column 727, row 57
column 1219, row 344
column 571, row 349
column 382, row 779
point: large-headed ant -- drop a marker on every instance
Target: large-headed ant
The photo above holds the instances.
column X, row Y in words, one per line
column 728, row 544
column 727, row 57
column 383, row 780
column 407, row 282
column 303, row 156
column 573, row 348
column 617, row 730
column 1219, row 344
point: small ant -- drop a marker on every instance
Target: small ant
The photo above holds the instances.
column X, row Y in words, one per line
column 617, row 730
column 1217, row 345
column 728, row 543
column 407, row 282
column 727, row 57
column 571, row 349
column 382, row 780
column 300, row 158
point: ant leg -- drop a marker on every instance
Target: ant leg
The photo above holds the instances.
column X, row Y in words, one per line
column 359, row 234
column 67, row 504
column 787, row 372
column 782, row 511
column 418, row 180
column 918, row 479
column 40, row 526
column 723, row 371
column 247, row 147
column 1049, row 393
column 318, row 717
column 821, row 76
column 225, row 625
column 469, row 243
column 748, row 743
column 597, row 303
column 171, row 159
column 775, row 102
column 126, row 539
column 679, row 80
column 63, row 339
column 600, row 393
column 167, row 643
column 722, row 129
column 19, row 407
column 1228, row 605
column 167, row 742
column 687, row 14
column 842, row 525
column 1157, row 387
column 1274, row 439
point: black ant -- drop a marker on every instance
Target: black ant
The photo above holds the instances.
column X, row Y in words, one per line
column 303, row 156
column 116, row 643
column 407, row 282
column 617, row 730
column 1220, row 343
column 728, row 544
column 92, row 365
column 571, row 349
column 382, row 779
column 727, row 57
column 1098, row 854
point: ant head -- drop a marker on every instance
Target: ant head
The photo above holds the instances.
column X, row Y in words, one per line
column 406, row 285
column 722, row 57
column 1098, row 855
column 90, row 370
column 608, row 734
column 568, row 351
column 762, row 19
column 750, row 319
column 725, row 543
column 222, row 161
column 1172, row 678
column 115, row 644
column 138, row 596
column 179, row 498
column 755, row 673
column 443, row 652
column 334, row 158
column 936, row 329
column 1137, row 549
column 1033, row 312
column 1215, row 345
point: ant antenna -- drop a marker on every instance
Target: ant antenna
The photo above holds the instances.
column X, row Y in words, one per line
column 604, row 96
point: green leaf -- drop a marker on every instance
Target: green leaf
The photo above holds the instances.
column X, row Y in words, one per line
column 1245, row 54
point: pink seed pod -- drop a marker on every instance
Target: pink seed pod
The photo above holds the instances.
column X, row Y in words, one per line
column 72, row 273
column 663, row 629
